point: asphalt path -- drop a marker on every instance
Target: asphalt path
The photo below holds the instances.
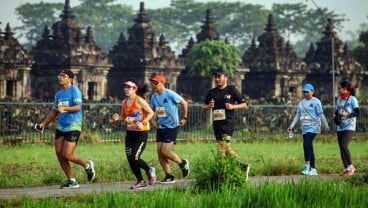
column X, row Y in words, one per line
column 98, row 188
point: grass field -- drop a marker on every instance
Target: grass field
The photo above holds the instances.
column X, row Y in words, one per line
column 36, row 165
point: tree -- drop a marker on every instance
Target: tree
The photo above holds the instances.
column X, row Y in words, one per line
column 361, row 51
column 208, row 55
column 34, row 17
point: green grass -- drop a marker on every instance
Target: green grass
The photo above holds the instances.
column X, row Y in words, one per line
column 36, row 165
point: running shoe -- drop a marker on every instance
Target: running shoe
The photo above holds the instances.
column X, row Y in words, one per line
column 184, row 166
column 70, row 185
column 305, row 170
column 313, row 172
column 139, row 185
column 168, row 179
column 151, row 176
column 90, row 171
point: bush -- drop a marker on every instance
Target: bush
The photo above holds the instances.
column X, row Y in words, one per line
column 219, row 173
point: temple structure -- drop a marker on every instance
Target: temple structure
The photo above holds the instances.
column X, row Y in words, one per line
column 325, row 67
column 276, row 73
column 15, row 67
column 271, row 70
column 68, row 48
column 141, row 56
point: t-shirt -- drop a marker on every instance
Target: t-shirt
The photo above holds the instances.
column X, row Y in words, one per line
column 165, row 106
column 69, row 121
column 309, row 111
column 348, row 106
column 223, row 118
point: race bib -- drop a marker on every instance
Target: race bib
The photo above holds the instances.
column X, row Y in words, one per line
column 219, row 115
column 306, row 120
column 138, row 126
column 63, row 104
column 160, row 112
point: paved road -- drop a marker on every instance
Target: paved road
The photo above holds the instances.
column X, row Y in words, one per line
column 55, row 191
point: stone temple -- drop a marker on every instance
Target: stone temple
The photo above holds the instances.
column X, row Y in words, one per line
column 271, row 71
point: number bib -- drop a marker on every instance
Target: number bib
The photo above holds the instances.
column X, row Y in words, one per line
column 160, row 112
column 219, row 115
column 306, row 120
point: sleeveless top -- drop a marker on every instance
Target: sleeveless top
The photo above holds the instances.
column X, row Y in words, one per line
column 134, row 115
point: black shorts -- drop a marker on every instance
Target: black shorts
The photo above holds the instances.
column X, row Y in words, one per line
column 167, row 135
column 223, row 135
column 70, row 136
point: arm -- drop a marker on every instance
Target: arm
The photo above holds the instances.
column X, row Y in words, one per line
column 184, row 105
column 147, row 109
column 236, row 106
column 74, row 108
column 208, row 106
column 295, row 121
column 49, row 118
column 324, row 121
column 119, row 117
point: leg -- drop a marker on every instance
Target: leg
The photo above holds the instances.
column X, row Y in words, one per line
column 344, row 139
column 165, row 154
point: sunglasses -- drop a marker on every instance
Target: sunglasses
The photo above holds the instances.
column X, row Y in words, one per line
column 305, row 91
column 154, row 83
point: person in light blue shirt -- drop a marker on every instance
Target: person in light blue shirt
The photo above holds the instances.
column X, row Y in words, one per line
column 67, row 109
column 347, row 109
column 164, row 102
column 309, row 113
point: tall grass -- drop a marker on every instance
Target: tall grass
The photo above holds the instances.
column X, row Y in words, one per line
column 294, row 195
column 36, row 164
column 31, row 165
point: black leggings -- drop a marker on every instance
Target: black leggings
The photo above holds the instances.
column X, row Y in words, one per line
column 135, row 143
column 308, row 148
column 344, row 138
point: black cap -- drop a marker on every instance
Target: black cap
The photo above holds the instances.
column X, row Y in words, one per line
column 219, row 72
column 68, row 72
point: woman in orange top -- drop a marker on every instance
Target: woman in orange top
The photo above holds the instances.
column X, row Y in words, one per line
column 136, row 113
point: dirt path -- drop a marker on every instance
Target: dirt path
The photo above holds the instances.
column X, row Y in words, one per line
column 55, row 191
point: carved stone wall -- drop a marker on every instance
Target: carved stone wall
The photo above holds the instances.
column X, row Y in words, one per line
column 142, row 55
column 68, row 48
column 15, row 67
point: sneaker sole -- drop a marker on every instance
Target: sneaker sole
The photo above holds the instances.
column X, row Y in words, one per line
column 70, row 187
column 91, row 165
column 169, row 182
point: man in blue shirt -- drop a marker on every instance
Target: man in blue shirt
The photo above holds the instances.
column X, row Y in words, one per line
column 164, row 103
column 67, row 109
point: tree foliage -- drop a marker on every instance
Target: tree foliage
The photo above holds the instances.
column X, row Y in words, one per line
column 237, row 21
column 208, row 55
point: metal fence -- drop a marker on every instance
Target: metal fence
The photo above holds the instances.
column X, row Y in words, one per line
column 258, row 122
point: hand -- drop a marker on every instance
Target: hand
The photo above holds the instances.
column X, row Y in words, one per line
column 229, row 106
column 183, row 122
column 62, row 109
column 211, row 104
column 39, row 128
column 115, row 117
column 289, row 129
column 154, row 124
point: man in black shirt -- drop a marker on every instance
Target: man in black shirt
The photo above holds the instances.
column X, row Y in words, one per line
column 223, row 100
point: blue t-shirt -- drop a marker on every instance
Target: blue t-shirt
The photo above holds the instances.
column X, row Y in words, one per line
column 348, row 106
column 165, row 106
column 309, row 112
column 69, row 121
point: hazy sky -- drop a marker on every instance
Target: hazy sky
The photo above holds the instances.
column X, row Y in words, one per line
column 356, row 10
